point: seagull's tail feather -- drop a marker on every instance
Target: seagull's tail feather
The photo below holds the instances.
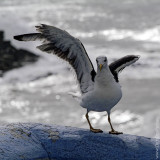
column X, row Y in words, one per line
column 76, row 96
column 29, row 37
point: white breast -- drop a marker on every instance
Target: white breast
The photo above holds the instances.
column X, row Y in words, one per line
column 105, row 95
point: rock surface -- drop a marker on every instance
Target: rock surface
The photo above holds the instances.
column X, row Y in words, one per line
column 49, row 142
column 10, row 57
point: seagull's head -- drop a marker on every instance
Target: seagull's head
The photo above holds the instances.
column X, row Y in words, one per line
column 102, row 62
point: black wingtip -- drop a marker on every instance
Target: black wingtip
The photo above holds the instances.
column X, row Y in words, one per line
column 138, row 56
column 19, row 38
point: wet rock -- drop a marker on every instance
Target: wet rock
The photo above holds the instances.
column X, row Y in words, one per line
column 26, row 141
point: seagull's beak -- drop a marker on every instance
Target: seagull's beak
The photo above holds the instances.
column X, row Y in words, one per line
column 100, row 67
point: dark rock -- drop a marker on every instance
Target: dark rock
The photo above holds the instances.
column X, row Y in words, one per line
column 1, row 36
column 11, row 58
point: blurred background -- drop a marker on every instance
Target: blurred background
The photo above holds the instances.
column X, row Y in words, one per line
column 35, row 89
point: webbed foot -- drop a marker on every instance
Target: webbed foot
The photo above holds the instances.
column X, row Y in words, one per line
column 96, row 130
column 115, row 132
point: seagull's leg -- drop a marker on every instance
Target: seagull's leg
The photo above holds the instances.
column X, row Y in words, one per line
column 112, row 129
column 91, row 128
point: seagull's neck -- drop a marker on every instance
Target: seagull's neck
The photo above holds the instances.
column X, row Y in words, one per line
column 104, row 77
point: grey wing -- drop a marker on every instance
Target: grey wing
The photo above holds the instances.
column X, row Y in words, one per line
column 65, row 46
column 121, row 63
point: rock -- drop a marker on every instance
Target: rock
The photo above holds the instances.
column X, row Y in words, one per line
column 49, row 142
column 11, row 58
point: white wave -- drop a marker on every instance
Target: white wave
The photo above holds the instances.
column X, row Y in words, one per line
column 150, row 34
column 125, row 118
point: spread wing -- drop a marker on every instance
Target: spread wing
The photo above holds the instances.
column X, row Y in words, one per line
column 121, row 63
column 65, row 46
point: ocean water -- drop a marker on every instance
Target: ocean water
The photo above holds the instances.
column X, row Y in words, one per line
column 111, row 28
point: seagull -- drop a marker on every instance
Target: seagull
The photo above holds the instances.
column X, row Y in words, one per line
column 100, row 91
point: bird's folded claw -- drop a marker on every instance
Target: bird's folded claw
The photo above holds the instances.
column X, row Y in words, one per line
column 115, row 132
column 96, row 130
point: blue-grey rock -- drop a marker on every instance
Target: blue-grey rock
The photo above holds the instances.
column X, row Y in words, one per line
column 26, row 141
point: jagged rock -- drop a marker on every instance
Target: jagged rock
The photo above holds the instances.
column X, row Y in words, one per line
column 10, row 57
column 49, row 142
